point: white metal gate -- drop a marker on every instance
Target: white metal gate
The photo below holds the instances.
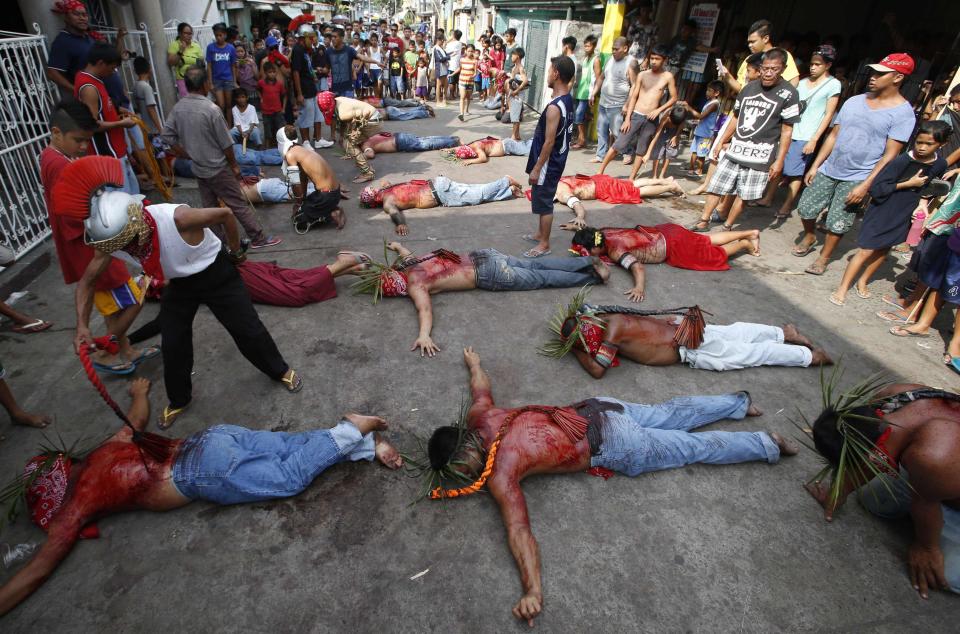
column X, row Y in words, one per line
column 202, row 35
column 137, row 43
column 26, row 99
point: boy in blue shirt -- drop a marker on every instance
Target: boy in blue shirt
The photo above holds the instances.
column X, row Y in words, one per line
column 222, row 62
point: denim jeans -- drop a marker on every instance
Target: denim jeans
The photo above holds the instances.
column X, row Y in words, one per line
column 270, row 156
column 255, row 138
column 609, row 120
column 228, row 464
column 499, row 272
column 401, row 103
column 406, row 114
column 645, row 438
column 890, row 498
column 412, row 143
column 397, row 85
column 516, row 148
column 454, row 194
column 130, row 183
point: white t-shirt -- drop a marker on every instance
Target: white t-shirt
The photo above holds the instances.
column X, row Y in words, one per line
column 375, row 53
column 616, row 83
column 244, row 119
column 454, row 49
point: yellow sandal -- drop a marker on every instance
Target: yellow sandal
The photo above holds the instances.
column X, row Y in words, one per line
column 170, row 415
column 293, row 382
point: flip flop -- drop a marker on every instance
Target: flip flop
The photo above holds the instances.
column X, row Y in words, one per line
column 900, row 331
column 862, row 295
column 805, row 251
column 529, row 238
column 117, row 369
column 836, row 301
column 293, row 383
column 815, row 269
column 145, row 354
column 955, row 364
column 889, row 315
column 533, row 253
column 169, row 415
column 703, row 226
column 33, row 327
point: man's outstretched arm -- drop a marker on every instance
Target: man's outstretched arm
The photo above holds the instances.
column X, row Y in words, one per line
column 480, row 391
column 139, row 412
column 505, row 488
column 421, row 299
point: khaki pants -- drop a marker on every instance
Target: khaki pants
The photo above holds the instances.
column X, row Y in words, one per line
column 354, row 133
column 224, row 186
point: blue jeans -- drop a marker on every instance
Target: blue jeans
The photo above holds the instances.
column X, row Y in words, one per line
column 580, row 111
column 412, row 143
column 397, row 84
column 645, row 438
column 270, row 156
column 228, row 464
column 609, row 121
column 454, row 194
column 889, row 498
column 406, row 114
column 255, row 138
column 498, row 272
column 401, row 103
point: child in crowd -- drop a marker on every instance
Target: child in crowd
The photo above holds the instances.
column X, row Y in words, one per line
column 374, row 51
column 666, row 141
column 222, row 65
column 468, row 68
column 410, row 65
column 894, row 197
column 245, row 122
column 396, row 74
column 247, row 74
column 144, row 101
column 273, row 100
column 704, row 133
column 483, row 75
column 423, row 78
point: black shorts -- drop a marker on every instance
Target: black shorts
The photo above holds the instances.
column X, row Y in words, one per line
column 317, row 209
column 637, row 138
column 541, row 198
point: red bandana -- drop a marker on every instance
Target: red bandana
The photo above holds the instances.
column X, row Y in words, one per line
column 594, row 335
column 46, row 494
column 394, row 284
column 63, row 7
column 149, row 253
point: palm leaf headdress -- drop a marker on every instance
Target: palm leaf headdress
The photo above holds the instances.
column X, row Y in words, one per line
column 370, row 280
column 860, row 460
column 418, row 464
column 577, row 309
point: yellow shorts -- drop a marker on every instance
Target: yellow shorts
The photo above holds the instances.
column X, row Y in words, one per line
column 129, row 294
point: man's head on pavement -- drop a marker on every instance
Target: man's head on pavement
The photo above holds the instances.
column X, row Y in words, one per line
column 103, row 59
column 658, row 57
column 758, row 36
column 74, row 14
column 892, row 70
column 562, row 69
column 71, row 127
column 771, row 68
column 195, row 79
column 590, row 239
column 620, row 48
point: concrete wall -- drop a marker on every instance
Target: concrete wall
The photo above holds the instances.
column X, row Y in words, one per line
column 190, row 11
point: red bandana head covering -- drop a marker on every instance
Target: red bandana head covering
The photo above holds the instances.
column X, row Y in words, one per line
column 47, row 492
column 394, row 283
column 593, row 334
column 327, row 103
column 372, row 197
column 63, row 7
column 465, row 152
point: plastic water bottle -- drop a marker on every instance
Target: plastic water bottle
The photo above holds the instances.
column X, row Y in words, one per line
column 13, row 555
column 916, row 227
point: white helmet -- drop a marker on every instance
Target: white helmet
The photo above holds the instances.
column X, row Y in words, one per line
column 284, row 143
column 116, row 218
column 306, row 29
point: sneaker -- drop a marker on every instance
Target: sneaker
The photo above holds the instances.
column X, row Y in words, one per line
column 269, row 241
column 322, row 143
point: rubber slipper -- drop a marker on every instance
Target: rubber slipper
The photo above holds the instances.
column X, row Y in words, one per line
column 955, row 364
column 533, row 253
column 836, row 301
column 293, row 383
column 33, row 327
column 145, row 354
column 529, row 238
column 862, row 295
column 701, row 227
column 815, row 269
column 118, row 369
column 169, row 415
column 900, row 331
column 889, row 315
column 805, row 252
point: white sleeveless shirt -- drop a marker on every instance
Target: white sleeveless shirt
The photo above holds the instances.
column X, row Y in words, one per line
column 178, row 258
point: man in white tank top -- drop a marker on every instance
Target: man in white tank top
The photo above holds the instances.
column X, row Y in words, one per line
column 174, row 243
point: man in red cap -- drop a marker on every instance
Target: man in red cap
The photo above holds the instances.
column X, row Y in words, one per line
column 870, row 131
column 357, row 121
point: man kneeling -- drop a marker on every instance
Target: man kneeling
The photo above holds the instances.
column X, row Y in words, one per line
column 599, row 334
column 303, row 167
column 439, row 191
column 225, row 464
column 502, row 446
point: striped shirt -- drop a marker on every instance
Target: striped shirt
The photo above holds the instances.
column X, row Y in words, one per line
column 468, row 68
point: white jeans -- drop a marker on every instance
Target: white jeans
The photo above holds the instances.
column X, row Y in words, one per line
column 744, row 345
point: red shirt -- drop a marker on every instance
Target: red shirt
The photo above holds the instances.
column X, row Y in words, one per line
column 394, row 42
column 271, row 96
column 113, row 142
column 73, row 254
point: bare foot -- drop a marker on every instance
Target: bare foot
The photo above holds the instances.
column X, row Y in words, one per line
column 755, row 243
column 787, row 447
column 601, row 268
column 513, row 181
column 820, row 357
column 26, row 419
column 366, row 424
column 386, row 454
column 339, row 217
column 791, row 334
column 595, row 160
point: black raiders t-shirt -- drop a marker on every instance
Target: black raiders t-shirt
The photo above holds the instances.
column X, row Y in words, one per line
column 759, row 112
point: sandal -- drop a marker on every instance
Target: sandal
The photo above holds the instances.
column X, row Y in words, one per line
column 836, row 301
column 802, row 251
column 293, row 382
column 817, row 268
column 889, row 315
column 900, row 331
column 536, row 253
column 863, row 295
column 529, row 238
column 119, row 369
column 886, row 300
column 170, row 414
column 146, row 354
column 702, row 226
column 33, row 327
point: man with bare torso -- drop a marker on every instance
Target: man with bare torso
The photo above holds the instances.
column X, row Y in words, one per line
column 598, row 432
column 439, row 191
column 390, row 142
column 645, row 107
column 631, row 248
column 910, row 436
column 482, row 150
column 600, row 334
column 301, row 167
column 356, row 122
column 225, row 464
column 616, row 191
column 419, row 277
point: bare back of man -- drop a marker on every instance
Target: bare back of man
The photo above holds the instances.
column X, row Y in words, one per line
column 380, row 143
column 645, row 340
column 314, row 167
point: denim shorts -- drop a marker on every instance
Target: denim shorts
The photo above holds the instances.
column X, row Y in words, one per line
column 309, row 113
column 796, row 163
column 224, row 84
column 580, row 113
